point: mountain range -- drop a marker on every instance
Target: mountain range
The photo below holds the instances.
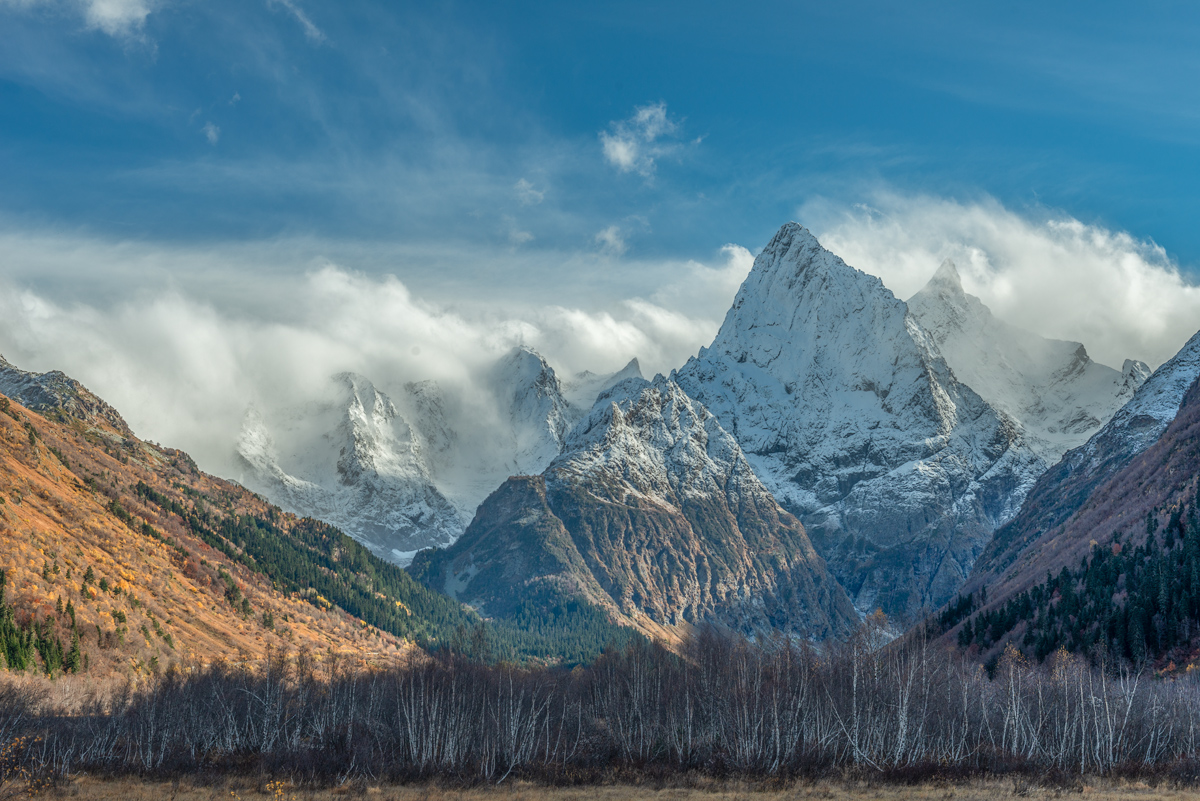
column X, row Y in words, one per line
column 405, row 474
column 835, row 450
column 653, row 513
column 900, row 436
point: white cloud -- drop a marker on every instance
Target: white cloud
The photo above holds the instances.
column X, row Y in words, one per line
column 117, row 18
column 611, row 241
column 527, row 194
column 1120, row 296
column 518, row 237
column 706, row 292
column 313, row 33
column 181, row 356
column 634, row 144
column 211, row 132
column 237, row 97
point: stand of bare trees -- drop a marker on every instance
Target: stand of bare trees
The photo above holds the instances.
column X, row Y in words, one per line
column 722, row 707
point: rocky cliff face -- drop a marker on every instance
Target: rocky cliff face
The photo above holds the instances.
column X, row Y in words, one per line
column 1050, row 388
column 1026, row 543
column 56, row 391
column 653, row 513
column 851, row 417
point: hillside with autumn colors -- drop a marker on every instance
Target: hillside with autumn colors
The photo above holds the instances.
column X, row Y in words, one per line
column 86, row 553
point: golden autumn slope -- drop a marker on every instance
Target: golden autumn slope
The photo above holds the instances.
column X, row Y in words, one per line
column 76, row 537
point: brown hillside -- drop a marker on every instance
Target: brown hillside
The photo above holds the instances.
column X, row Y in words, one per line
column 156, row 594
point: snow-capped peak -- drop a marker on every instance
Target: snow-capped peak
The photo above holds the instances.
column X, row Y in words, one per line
column 531, row 395
column 353, row 461
column 946, row 279
column 583, row 389
column 848, row 413
column 1135, row 371
column 1051, row 388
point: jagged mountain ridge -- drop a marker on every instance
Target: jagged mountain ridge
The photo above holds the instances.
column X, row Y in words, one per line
column 851, row 417
column 1052, row 388
column 1035, row 537
column 583, row 389
column 405, row 475
column 653, row 513
column 361, row 468
column 55, row 390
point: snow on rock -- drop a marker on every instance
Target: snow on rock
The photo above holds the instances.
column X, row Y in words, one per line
column 529, row 391
column 353, row 462
column 582, row 390
column 1067, row 486
column 851, row 417
column 405, row 475
column 653, row 512
column 1139, row 423
column 1051, row 388
column 55, row 390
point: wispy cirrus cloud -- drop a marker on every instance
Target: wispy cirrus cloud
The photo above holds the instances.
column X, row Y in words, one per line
column 314, row 34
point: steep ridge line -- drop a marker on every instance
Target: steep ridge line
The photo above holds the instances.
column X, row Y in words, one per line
column 653, row 514
column 1070, row 484
column 853, row 420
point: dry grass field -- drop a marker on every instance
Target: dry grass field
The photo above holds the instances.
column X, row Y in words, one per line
column 88, row 789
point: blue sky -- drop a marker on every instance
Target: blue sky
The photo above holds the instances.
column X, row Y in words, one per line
column 413, row 122
column 589, row 178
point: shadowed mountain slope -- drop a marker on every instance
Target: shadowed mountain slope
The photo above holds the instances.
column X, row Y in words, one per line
column 653, row 514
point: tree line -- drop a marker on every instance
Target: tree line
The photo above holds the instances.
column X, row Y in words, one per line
column 1133, row 602
column 722, row 706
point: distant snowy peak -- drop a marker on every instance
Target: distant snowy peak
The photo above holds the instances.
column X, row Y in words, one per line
column 1070, row 487
column 409, row 473
column 1141, row 421
column 355, row 462
column 530, row 392
column 1051, row 388
column 1136, row 371
column 852, row 418
column 430, row 416
column 584, row 388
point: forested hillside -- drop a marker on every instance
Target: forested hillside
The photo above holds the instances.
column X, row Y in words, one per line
column 1121, row 576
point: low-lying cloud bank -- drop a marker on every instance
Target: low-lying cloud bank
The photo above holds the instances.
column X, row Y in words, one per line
column 183, row 364
column 183, row 340
column 1121, row 296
